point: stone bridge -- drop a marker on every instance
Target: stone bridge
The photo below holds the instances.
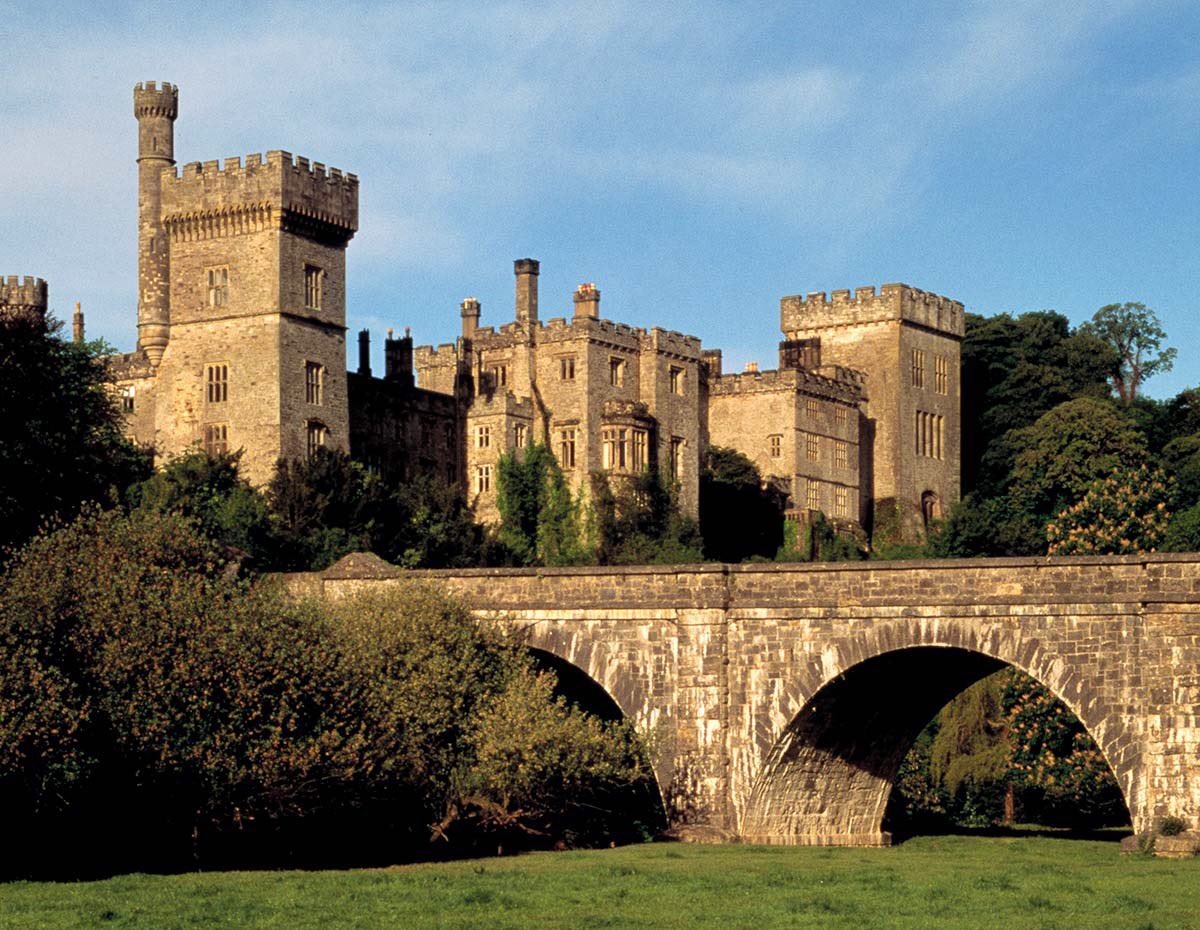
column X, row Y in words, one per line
column 782, row 698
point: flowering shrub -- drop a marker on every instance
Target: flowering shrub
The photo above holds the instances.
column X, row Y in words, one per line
column 1125, row 512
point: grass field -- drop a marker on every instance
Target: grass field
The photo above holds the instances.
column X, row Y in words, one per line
column 931, row 882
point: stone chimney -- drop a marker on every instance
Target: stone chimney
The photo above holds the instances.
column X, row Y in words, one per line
column 526, row 270
column 751, row 368
column 77, row 324
column 364, row 352
column 398, row 359
column 587, row 302
column 712, row 362
column 470, row 315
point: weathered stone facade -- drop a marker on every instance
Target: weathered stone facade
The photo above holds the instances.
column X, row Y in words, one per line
column 241, row 345
column 783, row 697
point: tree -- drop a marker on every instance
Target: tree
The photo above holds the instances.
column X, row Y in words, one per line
column 640, row 523
column 209, row 489
column 1136, row 335
column 1067, row 449
column 541, row 521
column 741, row 516
column 63, row 441
column 1123, row 513
column 970, row 754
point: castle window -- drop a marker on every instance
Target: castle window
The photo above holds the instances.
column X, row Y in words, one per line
column 483, row 479
column 677, row 445
column 776, row 445
column 314, row 383
column 615, row 445
column 318, row 435
column 812, row 448
column 216, row 383
column 941, row 376
column 841, row 502
column 929, row 434
column 448, row 435
column 566, row 447
column 841, row 416
column 127, row 400
column 519, row 432
column 313, row 280
column 812, row 407
column 814, row 495
column 616, row 372
column 216, row 438
column 483, row 437
column 918, row 368
column 639, row 459
column 218, row 286
column 566, row 368
column 499, row 375
column 675, row 375
column 841, row 454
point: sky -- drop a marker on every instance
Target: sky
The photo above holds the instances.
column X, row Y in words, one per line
column 696, row 161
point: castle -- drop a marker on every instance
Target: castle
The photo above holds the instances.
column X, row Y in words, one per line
column 242, row 345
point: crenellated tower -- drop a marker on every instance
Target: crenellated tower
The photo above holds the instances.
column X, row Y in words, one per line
column 22, row 299
column 155, row 108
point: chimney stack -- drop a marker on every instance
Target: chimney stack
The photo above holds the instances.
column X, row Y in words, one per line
column 751, row 368
column 526, row 270
column 712, row 362
column 77, row 324
column 364, row 352
column 587, row 302
column 470, row 317
column 398, row 359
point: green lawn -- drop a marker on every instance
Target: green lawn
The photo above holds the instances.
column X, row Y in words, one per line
column 951, row 882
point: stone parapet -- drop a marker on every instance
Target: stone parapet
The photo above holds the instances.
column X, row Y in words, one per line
column 893, row 302
column 23, row 298
column 846, row 389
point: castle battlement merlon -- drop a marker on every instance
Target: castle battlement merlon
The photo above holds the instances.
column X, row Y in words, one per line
column 149, row 99
column 892, row 302
column 276, row 180
column 21, row 294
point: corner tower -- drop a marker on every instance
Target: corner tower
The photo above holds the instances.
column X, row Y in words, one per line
column 155, row 108
column 908, row 343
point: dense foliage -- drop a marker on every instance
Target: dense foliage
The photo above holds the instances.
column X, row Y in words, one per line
column 153, row 707
column 62, row 429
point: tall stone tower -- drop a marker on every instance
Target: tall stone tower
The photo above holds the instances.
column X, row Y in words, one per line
column 241, row 300
column 155, row 108
column 908, row 343
column 23, row 300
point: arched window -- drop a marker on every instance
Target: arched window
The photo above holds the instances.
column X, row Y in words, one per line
column 931, row 507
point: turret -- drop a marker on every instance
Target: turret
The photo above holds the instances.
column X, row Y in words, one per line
column 23, row 300
column 77, row 324
column 155, row 108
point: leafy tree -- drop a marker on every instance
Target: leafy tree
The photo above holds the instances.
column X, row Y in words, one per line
column 1136, row 335
column 640, row 523
column 210, row 490
column 1123, row 513
column 153, row 704
column 741, row 515
column 1067, row 449
column 63, row 441
column 970, row 754
column 327, row 506
column 541, row 522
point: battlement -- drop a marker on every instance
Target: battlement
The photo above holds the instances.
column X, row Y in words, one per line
column 294, row 189
column 501, row 404
column 23, row 292
column 149, row 99
column 893, row 302
column 847, row 390
column 435, row 356
column 129, row 366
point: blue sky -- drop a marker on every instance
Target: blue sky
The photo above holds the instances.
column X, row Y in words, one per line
column 696, row 161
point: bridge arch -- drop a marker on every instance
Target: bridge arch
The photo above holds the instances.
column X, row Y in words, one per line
column 829, row 773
